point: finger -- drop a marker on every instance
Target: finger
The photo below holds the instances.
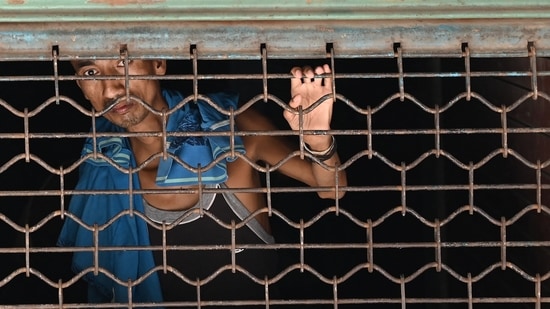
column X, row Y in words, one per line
column 296, row 72
column 318, row 80
column 296, row 80
column 295, row 101
column 308, row 74
column 327, row 80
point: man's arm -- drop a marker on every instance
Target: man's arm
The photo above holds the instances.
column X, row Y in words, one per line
column 305, row 90
column 272, row 149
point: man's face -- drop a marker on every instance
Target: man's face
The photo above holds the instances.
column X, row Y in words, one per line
column 102, row 93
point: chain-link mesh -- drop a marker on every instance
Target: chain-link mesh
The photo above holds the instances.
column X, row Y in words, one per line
column 445, row 151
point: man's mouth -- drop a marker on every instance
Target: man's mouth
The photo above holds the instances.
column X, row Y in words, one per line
column 122, row 107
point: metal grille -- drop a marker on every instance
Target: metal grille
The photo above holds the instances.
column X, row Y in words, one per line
column 441, row 128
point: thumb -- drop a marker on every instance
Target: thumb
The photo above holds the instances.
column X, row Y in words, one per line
column 295, row 101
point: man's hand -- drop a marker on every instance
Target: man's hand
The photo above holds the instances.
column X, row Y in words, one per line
column 306, row 89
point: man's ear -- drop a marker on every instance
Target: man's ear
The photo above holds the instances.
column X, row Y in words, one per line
column 160, row 66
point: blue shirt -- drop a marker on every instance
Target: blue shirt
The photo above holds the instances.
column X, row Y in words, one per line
column 117, row 216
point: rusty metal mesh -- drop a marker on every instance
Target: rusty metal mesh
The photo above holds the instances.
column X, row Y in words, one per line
column 445, row 206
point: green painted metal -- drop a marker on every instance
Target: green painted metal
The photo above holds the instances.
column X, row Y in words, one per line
column 255, row 10
column 284, row 39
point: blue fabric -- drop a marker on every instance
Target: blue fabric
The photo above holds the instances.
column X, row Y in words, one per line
column 198, row 150
column 100, row 174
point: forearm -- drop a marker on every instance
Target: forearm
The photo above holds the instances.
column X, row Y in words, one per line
column 325, row 165
column 306, row 88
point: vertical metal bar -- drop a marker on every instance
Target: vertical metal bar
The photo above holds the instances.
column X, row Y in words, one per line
column 94, row 133
column 336, row 189
column 55, row 54
column 268, row 189
column 330, row 53
column 164, row 249
column 233, row 247
column 263, row 51
column 335, row 291
column 538, row 193
column 27, row 251
column 266, row 292
column 504, row 121
column 470, row 292
column 466, row 54
column 60, row 293
column 403, row 295
column 437, row 132
column 26, row 128
column 471, row 189
column 369, row 132
column 403, row 188
column 62, row 191
column 437, row 239
column 124, row 57
column 301, row 130
column 503, row 260
column 96, row 249
column 370, row 246
column 165, row 144
column 131, row 190
column 399, row 55
column 199, row 302
column 130, row 294
column 538, row 293
column 302, row 241
column 533, row 63
column 194, row 57
column 232, row 126
column 200, row 186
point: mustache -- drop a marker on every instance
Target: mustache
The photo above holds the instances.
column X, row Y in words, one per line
column 109, row 104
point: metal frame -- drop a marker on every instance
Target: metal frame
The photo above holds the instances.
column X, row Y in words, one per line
column 267, row 30
column 354, row 27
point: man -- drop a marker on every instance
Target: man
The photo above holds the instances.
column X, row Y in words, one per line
column 185, row 182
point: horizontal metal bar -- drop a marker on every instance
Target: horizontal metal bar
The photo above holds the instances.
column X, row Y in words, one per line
column 282, row 39
column 240, row 10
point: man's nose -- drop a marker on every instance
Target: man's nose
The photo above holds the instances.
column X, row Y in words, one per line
column 114, row 87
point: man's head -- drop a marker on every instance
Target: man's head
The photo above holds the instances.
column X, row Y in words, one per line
column 102, row 93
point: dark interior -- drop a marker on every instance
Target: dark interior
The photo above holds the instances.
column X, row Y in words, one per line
column 364, row 203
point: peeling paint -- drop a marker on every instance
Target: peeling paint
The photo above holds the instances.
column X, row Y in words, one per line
column 16, row 1
column 123, row 2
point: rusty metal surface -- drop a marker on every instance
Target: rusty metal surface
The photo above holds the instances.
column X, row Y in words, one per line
column 229, row 40
column 397, row 43
column 372, row 227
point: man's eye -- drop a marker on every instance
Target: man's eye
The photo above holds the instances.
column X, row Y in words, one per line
column 90, row 72
column 121, row 62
